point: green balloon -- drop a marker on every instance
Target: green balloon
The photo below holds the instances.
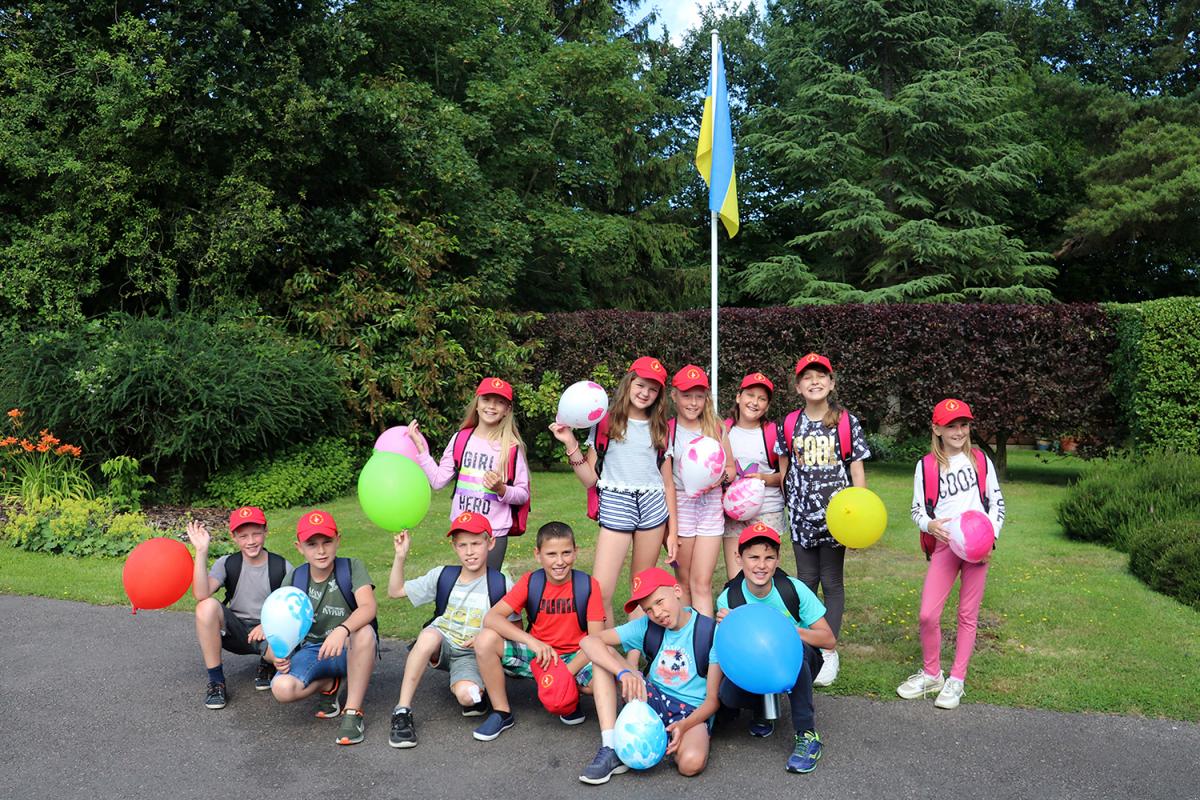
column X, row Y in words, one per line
column 393, row 491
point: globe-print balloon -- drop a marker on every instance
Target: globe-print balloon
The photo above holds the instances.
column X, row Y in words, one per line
column 743, row 499
column 640, row 738
column 287, row 616
column 582, row 405
column 702, row 465
column 971, row 536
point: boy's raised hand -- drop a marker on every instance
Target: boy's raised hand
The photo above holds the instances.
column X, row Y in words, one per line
column 401, row 542
column 198, row 535
column 415, row 434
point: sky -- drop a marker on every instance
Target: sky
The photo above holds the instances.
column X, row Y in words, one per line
column 677, row 16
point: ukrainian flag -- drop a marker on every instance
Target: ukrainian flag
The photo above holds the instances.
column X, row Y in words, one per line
column 714, row 151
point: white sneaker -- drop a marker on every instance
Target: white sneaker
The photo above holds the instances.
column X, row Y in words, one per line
column 829, row 670
column 951, row 693
column 920, row 685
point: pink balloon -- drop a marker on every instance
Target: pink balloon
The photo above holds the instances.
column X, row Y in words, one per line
column 395, row 440
column 972, row 536
column 744, row 498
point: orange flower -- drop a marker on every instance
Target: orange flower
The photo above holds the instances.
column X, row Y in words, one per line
column 42, row 447
column 69, row 450
column 8, row 441
column 26, row 445
column 14, row 413
column 48, row 438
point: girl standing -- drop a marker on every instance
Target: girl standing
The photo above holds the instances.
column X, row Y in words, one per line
column 701, row 518
column 821, row 448
column 752, row 440
column 966, row 481
column 486, row 458
column 625, row 467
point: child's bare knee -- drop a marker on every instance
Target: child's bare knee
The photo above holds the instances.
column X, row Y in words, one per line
column 363, row 637
column 284, row 688
column 487, row 640
column 690, row 764
column 209, row 610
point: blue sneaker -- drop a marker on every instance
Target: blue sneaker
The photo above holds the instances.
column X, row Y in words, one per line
column 496, row 723
column 603, row 766
column 762, row 728
column 806, row 754
column 573, row 718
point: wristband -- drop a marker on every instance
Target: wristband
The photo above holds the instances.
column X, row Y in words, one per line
column 340, row 625
column 622, row 672
column 573, row 452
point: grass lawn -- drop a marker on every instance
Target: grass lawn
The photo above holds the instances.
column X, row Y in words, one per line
column 1064, row 625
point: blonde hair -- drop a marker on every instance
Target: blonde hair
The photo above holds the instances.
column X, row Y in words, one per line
column 506, row 432
column 710, row 426
column 943, row 459
column 618, row 414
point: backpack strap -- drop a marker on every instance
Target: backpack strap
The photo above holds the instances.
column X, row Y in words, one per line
column 445, row 585
column 233, row 571
column 789, row 427
column 300, row 578
column 981, row 474
column 341, row 571
column 787, row 593
column 581, row 591
column 460, row 448
column 670, row 448
column 496, row 585
column 930, row 476
column 736, row 592
column 845, row 444
column 652, row 641
column 729, row 423
column 702, row 641
column 600, row 444
column 770, row 434
column 276, row 571
column 537, row 587
column 520, row 514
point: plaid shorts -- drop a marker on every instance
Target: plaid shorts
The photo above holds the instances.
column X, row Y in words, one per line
column 517, row 658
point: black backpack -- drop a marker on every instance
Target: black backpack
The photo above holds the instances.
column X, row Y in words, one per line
column 702, row 641
column 495, row 583
column 783, row 585
column 581, row 589
column 341, row 572
column 276, row 571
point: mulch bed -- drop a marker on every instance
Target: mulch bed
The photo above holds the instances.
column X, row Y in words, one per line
column 168, row 519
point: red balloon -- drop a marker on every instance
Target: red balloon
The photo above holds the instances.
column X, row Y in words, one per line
column 157, row 573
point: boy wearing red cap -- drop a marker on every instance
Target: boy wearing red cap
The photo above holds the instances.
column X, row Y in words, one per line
column 563, row 605
column 342, row 642
column 248, row 576
column 682, row 681
column 462, row 595
column 761, row 581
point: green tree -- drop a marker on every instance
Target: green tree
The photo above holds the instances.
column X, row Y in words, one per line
column 895, row 138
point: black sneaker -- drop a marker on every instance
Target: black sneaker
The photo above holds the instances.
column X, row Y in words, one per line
column 404, row 733
column 478, row 709
column 263, row 675
column 215, row 696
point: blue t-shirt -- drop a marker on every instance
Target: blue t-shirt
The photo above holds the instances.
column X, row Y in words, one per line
column 674, row 672
column 811, row 609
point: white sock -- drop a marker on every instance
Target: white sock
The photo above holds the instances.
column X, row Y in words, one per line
column 606, row 738
column 401, row 708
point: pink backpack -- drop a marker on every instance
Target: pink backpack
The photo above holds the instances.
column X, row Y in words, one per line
column 520, row 515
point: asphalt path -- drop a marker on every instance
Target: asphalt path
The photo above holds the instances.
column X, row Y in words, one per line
column 97, row 703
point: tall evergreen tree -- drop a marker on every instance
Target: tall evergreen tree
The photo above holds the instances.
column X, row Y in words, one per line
column 894, row 135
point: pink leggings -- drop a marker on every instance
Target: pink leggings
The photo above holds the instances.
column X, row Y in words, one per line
column 939, row 580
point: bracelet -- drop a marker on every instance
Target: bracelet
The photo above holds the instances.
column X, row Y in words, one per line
column 622, row 672
column 572, row 452
column 578, row 463
column 348, row 631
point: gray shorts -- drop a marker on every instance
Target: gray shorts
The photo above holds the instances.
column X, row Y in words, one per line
column 234, row 631
column 460, row 663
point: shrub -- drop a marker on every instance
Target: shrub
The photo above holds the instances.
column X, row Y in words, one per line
column 304, row 474
column 126, row 483
column 77, row 528
column 32, row 470
column 1166, row 557
column 897, row 450
column 180, row 394
column 1115, row 496
column 1156, row 371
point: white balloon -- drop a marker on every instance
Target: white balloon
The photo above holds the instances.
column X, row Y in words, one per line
column 702, row 465
column 582, row 405
column 287, row 616
column 640, row 738
column 744, row 498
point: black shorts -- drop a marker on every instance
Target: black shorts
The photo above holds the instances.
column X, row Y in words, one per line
column 234, row 631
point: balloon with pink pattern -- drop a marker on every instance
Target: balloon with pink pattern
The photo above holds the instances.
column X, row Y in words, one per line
column 744, row 498
column 702, row 465
column 582, row 405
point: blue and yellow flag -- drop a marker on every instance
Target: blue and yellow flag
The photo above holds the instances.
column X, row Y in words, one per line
column 714, row 151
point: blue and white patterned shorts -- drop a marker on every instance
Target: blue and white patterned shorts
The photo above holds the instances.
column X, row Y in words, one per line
column 626, row 512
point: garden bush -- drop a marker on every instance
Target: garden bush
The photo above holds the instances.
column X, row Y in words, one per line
column 302, row 475
column 1166, row 557
column 1116, row 495
column 180, row 394
column 898, row 450
column 77, row 527
column 1156, row 371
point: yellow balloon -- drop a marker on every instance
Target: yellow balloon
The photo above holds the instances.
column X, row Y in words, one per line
column 856, row 517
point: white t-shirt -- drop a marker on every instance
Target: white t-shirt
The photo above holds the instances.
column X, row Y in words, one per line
column 465, row 609
column 631, row 464
column 749, row 449
column 958, row 492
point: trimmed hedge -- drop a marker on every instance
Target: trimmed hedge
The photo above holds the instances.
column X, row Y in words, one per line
column 1156, row 371
column 1167, row 558
column 1034, row 370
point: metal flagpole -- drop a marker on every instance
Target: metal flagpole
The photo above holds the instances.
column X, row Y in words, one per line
column 713, row 220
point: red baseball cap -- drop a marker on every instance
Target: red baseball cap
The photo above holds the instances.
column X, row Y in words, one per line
column 470, row 522
column 314, row 523
column 758, row 379
column 813, row 360
column 557, row 688
column 644, row 584
column 949, row 410
column 690, row 377
column 495, row 386
column 649, row 368
column 758, row 531
column 246, row 514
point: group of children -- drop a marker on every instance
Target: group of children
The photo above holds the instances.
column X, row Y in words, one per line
column 570, row 643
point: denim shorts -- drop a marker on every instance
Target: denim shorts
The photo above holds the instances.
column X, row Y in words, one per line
column 306, row 667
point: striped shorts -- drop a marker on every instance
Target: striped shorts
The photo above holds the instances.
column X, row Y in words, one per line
column 626, row 512
column 700, row 516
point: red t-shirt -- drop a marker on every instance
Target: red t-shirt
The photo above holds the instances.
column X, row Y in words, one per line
column 557, row 624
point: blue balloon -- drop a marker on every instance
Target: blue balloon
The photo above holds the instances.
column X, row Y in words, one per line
column 287, row 616
column 759, row 649
column 639, row 737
